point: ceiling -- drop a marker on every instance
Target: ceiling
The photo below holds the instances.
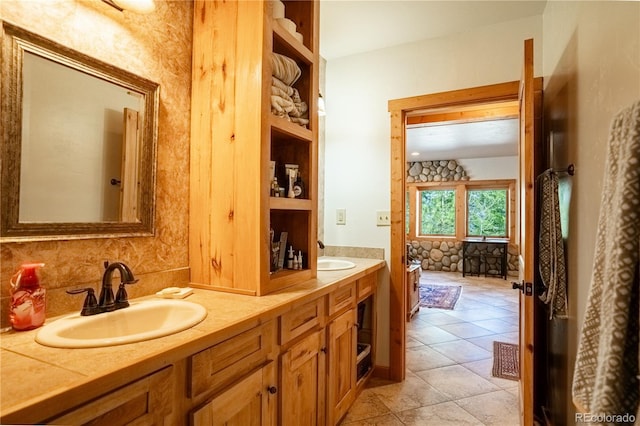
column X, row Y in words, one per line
column 350, row 27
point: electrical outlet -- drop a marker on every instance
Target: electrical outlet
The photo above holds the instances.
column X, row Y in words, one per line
column 341, row 216
column 383, row 218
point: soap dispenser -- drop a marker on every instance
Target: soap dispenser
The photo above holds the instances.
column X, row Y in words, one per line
column 28, row 298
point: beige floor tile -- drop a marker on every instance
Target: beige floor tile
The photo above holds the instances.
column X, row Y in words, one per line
column 386, row 420
column 431, row 334
column 462, row 351
column 466, row 330
column 425, row 358
column 483, row 368
column 496, row 408
column 412, row 343
column 367, row 405
column 440, row 318
column 447, row 413
column 498, row 325
column 412, row 393
column 457, row 382
column 486, row 342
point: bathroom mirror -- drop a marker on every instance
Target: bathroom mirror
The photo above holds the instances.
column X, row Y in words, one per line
column 78, row 149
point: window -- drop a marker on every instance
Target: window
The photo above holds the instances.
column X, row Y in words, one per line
column 487, row 212
column 438, row 212
column 456, row 210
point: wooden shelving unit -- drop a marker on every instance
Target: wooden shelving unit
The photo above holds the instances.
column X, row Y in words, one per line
column 234, row 137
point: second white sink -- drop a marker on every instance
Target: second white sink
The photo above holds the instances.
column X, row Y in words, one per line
column 141, row 321
column 331, row 264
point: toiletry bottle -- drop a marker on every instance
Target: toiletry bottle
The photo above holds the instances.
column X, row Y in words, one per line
column 300, row 259
column 298, row 187
column 28, row 301
column 290, row 258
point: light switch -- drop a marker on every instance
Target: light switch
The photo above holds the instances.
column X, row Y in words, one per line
column 341, row 216
column 383, row 218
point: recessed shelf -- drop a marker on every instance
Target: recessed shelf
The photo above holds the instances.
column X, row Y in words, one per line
column 286, row 127
column 280, row 203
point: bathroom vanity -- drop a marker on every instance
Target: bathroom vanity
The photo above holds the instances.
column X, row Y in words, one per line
column 291, row 357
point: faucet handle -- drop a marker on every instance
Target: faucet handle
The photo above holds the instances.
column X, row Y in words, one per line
column 90, row 306
column 122, row 299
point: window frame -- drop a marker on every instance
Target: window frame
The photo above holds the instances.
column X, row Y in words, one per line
column 419, row 211
column 507, row 208
column 461, row 188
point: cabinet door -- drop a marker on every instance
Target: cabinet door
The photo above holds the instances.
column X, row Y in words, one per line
column 302, row 393
column 250, row 402
column 342, row 365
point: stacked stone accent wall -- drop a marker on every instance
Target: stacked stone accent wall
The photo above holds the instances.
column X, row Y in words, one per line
column 435, row 171
column 447, row 256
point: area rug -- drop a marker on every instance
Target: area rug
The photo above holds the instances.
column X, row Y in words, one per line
column 506, row 361
column 439, row 296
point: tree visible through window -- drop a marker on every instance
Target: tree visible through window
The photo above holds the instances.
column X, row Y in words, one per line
column 487, row 212
column 438, row 212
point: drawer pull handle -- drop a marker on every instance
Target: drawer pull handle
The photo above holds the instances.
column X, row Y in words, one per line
column 272, row 389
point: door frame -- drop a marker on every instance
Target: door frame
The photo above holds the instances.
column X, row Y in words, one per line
column 399, row 109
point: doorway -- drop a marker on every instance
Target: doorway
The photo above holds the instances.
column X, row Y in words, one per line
column 400, row 110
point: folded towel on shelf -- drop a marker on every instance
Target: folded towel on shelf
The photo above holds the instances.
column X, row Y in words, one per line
column 285, row 69
column 605, row 379
column 281, row 86
column 286, row 102
column 281, row 106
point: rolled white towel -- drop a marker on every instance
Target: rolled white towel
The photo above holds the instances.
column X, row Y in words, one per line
column 287, row 24
column 278, row 9
column 285, row 69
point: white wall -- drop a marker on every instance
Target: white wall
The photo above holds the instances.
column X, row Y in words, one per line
column 591, row 70
column 490, row 168
column 357, row 145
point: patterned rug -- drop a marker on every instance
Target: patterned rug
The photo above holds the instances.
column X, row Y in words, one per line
column 439, row 296
column 506, row 361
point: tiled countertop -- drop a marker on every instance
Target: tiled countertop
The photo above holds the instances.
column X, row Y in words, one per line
column 46, row 380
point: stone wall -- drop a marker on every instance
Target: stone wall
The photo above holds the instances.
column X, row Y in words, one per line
column 435, row 171
column 447, row 256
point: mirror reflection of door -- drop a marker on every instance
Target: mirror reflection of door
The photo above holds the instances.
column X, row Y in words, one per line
column 72, row 144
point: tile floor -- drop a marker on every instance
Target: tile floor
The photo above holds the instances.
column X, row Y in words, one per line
column 449, row 361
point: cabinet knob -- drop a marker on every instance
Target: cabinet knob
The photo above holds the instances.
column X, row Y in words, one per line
column 272, row 389
column 323, row 350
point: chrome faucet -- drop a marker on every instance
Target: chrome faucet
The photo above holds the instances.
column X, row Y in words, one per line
column 106, row 301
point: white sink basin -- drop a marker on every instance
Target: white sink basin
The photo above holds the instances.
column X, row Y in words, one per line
column 142, row 320
column 328, row 264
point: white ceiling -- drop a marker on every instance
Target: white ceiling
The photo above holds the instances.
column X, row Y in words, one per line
column 349, row 27
column 480, row 139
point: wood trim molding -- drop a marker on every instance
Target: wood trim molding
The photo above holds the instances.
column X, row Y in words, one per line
column 399, row 109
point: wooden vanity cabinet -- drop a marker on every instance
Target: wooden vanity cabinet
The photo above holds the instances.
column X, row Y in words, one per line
column 342, row 365
column 413, row 290
column 252, row 401
column 147, row 401
column 235, row 137
column 303, row 378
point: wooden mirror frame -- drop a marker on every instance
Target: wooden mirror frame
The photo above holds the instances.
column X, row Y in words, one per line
column 15, row 41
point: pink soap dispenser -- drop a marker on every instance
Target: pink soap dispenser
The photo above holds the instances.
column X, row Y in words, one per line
column 28, row 298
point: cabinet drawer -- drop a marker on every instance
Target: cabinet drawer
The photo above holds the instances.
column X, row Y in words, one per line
column 222, row 364
column 342, row 298
column 146, row 401
column 367, row 285
column 301, row 319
